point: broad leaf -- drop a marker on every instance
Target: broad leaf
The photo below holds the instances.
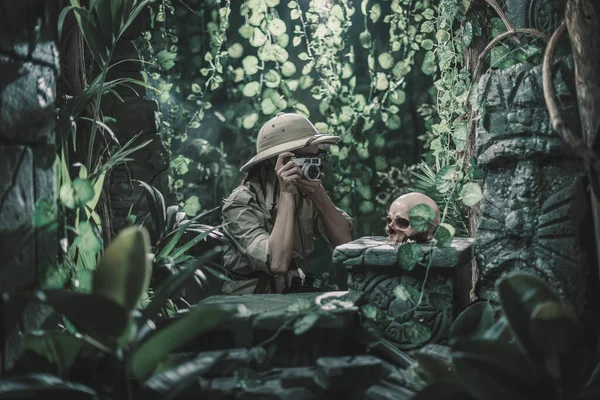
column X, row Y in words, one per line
column 77, row 193
column 123, row 273
column 197, row 320
column 558, row 334
column 470, row 193
column 473, row 322
column 43, row 386
column 445, row 178
column 60, row 348
column 92, row 315
column 520, row 295
column 305, row 323
column 496, row 371
column 420, row 217
column 409, row 254
column 444, row 235
column 45, row 214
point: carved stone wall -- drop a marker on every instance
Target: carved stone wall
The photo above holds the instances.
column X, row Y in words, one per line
column 543, row 15
column 534, row 210
column 28, row 72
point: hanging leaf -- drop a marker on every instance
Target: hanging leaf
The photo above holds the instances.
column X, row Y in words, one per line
column 246, row 31
column 427, row 44
column 305, row 323
column 459, row 136
column 381, row 82
column 467, row 34
column 288, row 69
column 250, row 64
column 409, row 254
column 250, row 120
column 471, row 194
column 445, row 178
column 267, row 106
column 416, row 332
column 277, row 27
column 407, row 293
column 166, row 59
column 365, row 39
column 444, row 235
column 87, row 240
column 45, row 214
column 251, row 89
column 385, row 60
column 272, row 78
column 235, row 50
column 375, row 12
column 77, row 193
column 420, row 217
column 258, row 38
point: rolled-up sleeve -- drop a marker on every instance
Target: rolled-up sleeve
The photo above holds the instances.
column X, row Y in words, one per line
column 245, row 229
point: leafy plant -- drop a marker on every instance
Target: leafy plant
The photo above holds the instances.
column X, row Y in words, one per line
column 538, row 348
column 105, row 328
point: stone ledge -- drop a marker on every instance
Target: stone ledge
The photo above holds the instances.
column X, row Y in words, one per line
column 375, row 251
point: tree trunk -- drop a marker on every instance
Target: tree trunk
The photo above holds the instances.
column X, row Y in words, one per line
column 583, row 22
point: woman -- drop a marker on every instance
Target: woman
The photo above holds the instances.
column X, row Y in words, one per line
column 272, row 218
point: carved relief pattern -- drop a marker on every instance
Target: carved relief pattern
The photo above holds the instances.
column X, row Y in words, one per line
column 430, row 323
column 534, row 203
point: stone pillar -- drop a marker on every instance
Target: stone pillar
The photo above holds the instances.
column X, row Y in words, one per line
column 535, row 215
column 29, row 69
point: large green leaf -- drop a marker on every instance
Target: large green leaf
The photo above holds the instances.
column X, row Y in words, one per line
column 520, row 295
column 471, row 194
column 558, row 334
column 445, row 178
column 45, row 214
column 444, row 235
column 95, row 316
column 473, row 322
column 409, row 254
column 420, row 217
column 191, row 324
column 60, row 348
column 123, row 273
column 496, row 371
column 76, row 193
column 43, row 386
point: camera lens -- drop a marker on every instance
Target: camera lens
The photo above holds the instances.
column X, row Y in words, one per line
column 313, row 172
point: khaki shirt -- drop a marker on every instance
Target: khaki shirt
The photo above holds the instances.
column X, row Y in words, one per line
column 249, row 219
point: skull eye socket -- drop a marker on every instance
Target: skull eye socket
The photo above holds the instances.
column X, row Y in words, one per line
column 402, row 223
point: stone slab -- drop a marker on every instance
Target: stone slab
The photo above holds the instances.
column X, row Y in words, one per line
column 375, row 251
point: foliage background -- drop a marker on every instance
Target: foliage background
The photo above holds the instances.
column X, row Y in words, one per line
column 362, row 70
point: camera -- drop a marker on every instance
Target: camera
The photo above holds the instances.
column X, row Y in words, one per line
column 310, row 167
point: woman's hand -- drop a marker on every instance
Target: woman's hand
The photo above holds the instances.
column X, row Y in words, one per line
column 310, row 188
column 287, row 174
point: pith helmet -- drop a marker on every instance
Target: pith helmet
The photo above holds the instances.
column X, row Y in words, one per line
column 286, row 132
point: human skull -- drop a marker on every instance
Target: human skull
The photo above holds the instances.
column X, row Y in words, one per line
column 398, row 229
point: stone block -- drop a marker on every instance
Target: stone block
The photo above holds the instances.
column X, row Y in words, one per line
column 370, row 264
column 347, row 373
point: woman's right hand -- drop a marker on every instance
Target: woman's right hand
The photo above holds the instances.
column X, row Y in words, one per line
column 287, row 174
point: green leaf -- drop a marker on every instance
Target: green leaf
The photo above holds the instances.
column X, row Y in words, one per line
column 236, row 50
column 190, row 325
column 277, row 27
column 459, row 136
column 301, row 108
column 381, row 81
column 249, row 120
column 87, row 240
column 192, row 206
column 43, row 386
column 520, row 294
column 305, row 323
column 444, row 235
column 267, row 106
column 288, row 69
column 416, row 332
column 375, row 12
column 467, row 34
column 558, row 335
column 365, row 39
column 427, row 44
column 246, row 31
column 409, row 254
column 272, row 3
column 473, row 322
column 61, row 349
column 496, row 371
column 251, row 89
column 258, row 38
column 471, row 194
column 250, row 64
column 166, row 59
column 45, row 214
column 408, row 294
column 123, row 273
column 93, row 315
column 385, row 60
column 272, row 79
column 77, row 193
column 420, row 217
column 445, row 179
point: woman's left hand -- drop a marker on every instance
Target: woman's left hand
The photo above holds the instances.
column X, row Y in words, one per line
column 310, row 188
